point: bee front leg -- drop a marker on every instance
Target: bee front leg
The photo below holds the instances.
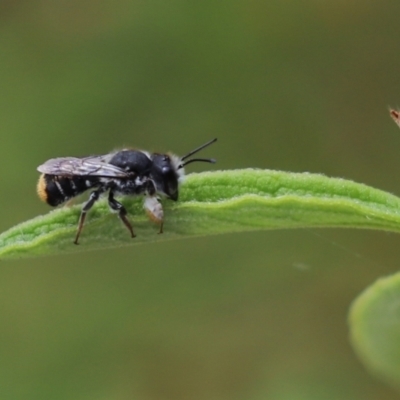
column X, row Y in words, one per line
column 154, row 210
column 94, row 196
column 122, row 213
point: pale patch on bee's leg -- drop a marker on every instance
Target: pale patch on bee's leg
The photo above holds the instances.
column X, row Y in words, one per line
column 154, row 210
column 122, row 213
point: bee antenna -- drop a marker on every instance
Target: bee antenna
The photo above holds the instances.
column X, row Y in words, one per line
column 209, row 160
column 197, row 150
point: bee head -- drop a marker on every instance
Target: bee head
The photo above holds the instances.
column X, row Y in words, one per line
column 168, row 170
column 165, row 176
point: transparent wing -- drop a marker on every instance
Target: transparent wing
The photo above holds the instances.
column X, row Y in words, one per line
column 89, row 166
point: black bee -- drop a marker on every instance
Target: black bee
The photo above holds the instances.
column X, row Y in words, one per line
column 125, row 172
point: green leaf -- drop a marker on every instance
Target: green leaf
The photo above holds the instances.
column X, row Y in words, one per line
column 375, row 328
column 212, row 203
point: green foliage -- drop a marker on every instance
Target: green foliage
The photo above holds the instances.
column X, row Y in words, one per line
column 214, row 203
column 283, row 85
column 375, row 328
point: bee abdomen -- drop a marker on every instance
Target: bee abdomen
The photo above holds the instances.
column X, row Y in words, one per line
column 55, row 190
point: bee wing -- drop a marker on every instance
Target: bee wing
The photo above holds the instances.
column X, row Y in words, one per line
column 89, row 166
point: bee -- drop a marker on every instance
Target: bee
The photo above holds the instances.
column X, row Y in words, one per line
column 124, row 172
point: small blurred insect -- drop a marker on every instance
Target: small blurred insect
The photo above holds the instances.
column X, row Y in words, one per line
column 124, row 172
column 395, row 116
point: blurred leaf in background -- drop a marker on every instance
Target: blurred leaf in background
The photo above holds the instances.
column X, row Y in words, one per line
column 283, row 85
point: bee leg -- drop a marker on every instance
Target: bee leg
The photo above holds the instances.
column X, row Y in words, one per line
column 94, row 196
column 117, row 206
column 154, row 210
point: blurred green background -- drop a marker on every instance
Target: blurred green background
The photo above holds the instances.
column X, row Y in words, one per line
column 295, row 86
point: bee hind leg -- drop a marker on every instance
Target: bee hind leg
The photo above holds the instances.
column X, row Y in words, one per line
column 122, row 213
